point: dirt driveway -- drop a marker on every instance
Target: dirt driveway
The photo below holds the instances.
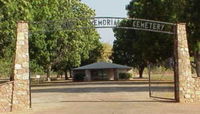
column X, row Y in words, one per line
column 103, row 98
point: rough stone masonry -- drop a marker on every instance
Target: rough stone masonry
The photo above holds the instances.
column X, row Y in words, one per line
column 6, row 96
column 15, row 95
column 189, row 87
column 21, row 89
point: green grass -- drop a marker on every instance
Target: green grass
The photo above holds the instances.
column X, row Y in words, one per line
column 158, row 77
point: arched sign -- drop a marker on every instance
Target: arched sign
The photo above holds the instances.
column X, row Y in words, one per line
column 107, row 22
column 137, row 24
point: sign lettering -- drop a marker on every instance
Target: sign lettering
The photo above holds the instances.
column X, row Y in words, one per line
column 113, row 22
column 98, row 22
column 148, row 25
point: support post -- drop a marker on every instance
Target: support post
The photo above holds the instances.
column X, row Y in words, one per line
column 21, row 88
column 185, row 82
column 149, row 74
column 175, row 67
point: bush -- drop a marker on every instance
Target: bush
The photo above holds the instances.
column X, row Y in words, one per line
column 125, row 76
column 79, row 77
column 5, row 68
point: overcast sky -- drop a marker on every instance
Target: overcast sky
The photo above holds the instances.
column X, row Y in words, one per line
column 108, row 8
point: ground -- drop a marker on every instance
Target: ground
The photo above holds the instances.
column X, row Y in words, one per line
column 110, row 97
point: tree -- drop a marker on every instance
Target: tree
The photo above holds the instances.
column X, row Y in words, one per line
column 43, row 45
column 94, row 55
column 10, row 13
column 106, row 53
column 143, row 48
column 61, row 48
column 102, row 52
column 126, row 48
column 51, row 43
column 82, row 43
column 191, row 15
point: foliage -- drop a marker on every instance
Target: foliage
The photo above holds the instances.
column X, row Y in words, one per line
column 94, row 55
column 5, row 68
column 191, row 15
column 106, row 53
column 78, row 45
column 138, row 48
column 51, row 47
column 35, row 68
column 11, row 11
column 126, row 50
column 125, row 76
column 79, row 77
column 102, row 52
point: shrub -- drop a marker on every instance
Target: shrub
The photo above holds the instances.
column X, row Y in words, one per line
column 5, row 68
column 79, row 77
column 125, row 76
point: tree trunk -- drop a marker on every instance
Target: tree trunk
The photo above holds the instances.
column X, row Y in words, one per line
column 141, row 69
column 197, row 62
column 66, row 75
column 48, row 73
column 58, row 76
column 70, row 73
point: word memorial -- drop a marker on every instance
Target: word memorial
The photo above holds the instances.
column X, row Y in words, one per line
column 106, row 22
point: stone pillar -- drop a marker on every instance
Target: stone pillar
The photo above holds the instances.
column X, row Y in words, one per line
column 21, row 89
column 87, row 75
column 184, row 67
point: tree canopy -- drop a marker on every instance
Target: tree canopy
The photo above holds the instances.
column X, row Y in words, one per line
column 191, row 16
column 139, row 48
column 51, row 46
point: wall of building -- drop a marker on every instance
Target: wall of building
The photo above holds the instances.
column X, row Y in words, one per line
column 111, row 74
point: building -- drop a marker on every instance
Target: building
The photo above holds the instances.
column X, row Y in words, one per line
column 102, row 71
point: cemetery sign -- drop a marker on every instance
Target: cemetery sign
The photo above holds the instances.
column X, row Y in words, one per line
column 107, row 22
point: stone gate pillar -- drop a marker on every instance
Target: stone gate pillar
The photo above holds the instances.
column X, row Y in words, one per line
column 21, row 88
column 184, row 67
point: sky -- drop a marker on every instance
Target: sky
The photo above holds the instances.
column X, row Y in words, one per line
column 108, row 8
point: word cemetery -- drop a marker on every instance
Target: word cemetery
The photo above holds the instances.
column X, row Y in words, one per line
column 148, row 25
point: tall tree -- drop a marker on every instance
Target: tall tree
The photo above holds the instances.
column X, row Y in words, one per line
column 43, row 45
column 127, row 49
column 10, row 13
column 192, row 14
column 147, row 47
column 50, row 41
column 58, row 47
column 106, row 53
column 94, row 55
column 81, row 42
